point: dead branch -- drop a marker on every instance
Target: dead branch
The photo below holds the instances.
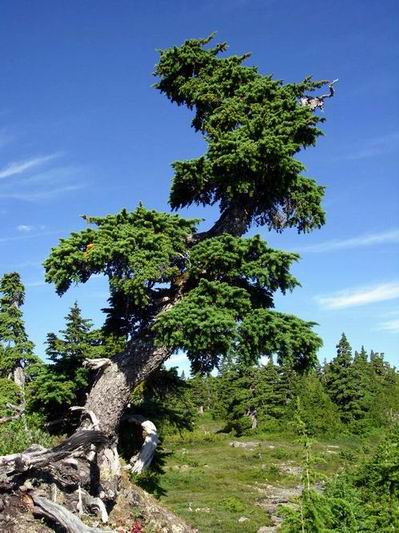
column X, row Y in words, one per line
column 61, row 516
column 20, row 410
column 94, row 504
column 39, row 457
column 95, row 364
column 314, row 102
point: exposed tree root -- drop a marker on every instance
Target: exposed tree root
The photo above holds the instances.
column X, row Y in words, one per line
column 80, row 477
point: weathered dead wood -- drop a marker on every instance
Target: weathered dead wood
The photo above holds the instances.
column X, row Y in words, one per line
column 39, row 457
column 251, row 413
column 93, row 504
column 317, row 102
column 142, row 460
column 95, row 364
column 61, row 516
column 95, row 424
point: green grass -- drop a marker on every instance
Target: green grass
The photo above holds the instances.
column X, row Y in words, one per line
column 211, row 485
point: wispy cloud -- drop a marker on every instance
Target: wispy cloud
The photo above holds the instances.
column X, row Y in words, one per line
column 389, row 325
column 45, row 184
column 27, row 228
column 360, row 296
column 24, row 228
column 368, row 239
column 19, row 167
column 28, row 235
column 376, row 146
column 32, row 196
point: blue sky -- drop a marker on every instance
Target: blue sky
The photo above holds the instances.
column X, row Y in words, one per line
column 82, row 131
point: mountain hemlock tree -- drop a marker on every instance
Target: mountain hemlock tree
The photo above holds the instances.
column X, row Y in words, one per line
column 207, row 293
column 249, row 396
column 64, row 383
column 16, row 350
column 345, row 383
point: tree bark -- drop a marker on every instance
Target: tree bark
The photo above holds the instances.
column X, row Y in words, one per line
column 112, row 389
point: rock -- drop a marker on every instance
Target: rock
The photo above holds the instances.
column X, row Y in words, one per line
column 243, row 519
column 290, row 469
column 181, row 468
column 276, row 495
column 250, row 445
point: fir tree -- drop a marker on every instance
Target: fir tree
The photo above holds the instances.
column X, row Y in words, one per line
column 16, row 350
column 249, row 396
column 202, row 392
column 211, row 294
column 343, row 384
column 318, row 412
column 64, row 382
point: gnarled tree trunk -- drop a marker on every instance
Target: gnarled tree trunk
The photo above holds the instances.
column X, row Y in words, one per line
column 112, row 389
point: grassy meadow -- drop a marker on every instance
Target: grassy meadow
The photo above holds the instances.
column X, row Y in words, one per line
column 217, row 487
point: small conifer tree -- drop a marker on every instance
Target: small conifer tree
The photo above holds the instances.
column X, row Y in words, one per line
column 343, row 383
column 16, row 350
column 64, row 382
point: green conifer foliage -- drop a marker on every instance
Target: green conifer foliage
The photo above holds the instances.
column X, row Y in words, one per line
column 347, row 383
column 253, row 126
column 363, row 499
column 16, row 350
column 9, row 395
column 64, row 382
column 254, row 397
column 318, row 412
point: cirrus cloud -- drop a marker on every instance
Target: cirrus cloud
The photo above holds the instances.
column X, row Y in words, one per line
column 365, row 240
column 360, row 296
column 19, row 167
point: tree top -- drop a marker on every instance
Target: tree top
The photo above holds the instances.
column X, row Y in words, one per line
column 254, row 126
